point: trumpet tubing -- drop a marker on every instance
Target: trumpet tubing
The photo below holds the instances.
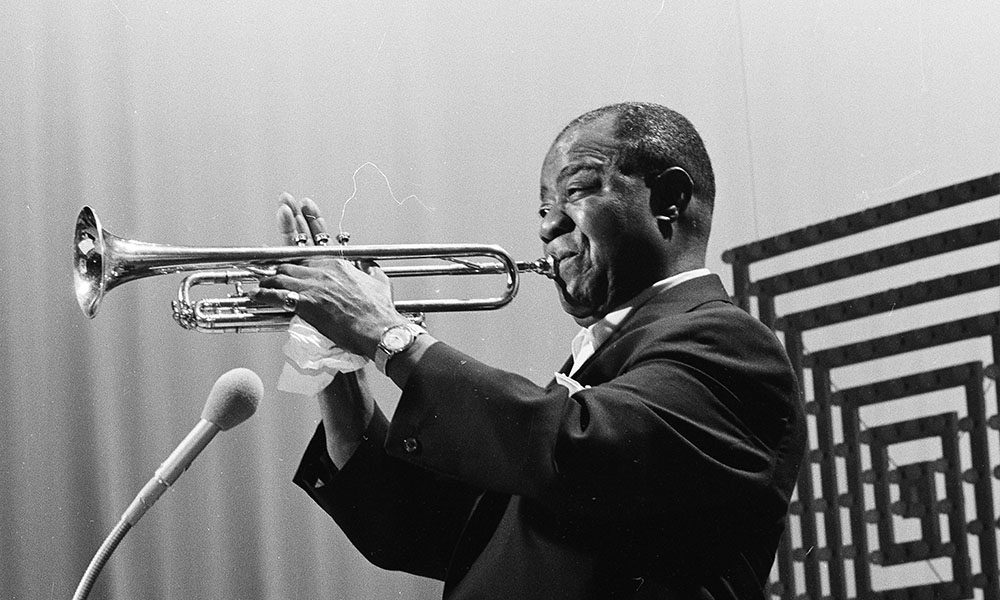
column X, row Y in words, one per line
column 103, row 261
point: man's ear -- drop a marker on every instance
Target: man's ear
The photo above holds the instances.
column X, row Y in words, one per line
column 669, row 195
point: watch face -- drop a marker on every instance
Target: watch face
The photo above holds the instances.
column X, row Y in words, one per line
column 396, row 339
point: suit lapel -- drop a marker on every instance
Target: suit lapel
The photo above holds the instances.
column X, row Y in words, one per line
column 566, row 366
column 677, row 300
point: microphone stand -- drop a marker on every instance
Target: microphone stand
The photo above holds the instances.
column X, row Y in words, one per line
column 100, row 558
column 233, row 399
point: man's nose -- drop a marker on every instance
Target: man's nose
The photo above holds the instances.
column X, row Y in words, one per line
column 555, row 223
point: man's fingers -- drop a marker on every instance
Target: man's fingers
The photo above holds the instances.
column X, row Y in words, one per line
column 317, row 226
column 280, row 280
column 286, row 299
column 300, row 235
column 300, row 222
column 294, row 275
column 371, row 268
column 286, row 224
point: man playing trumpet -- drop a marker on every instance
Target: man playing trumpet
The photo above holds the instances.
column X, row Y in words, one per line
column 660, row 461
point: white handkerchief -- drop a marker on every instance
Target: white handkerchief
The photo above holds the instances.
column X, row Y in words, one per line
column 570, row 384
column 312, row 360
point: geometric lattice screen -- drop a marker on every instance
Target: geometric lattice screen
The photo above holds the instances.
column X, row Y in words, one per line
column 861, row 520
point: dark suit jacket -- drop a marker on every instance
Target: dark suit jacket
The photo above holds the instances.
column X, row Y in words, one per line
column 669, row 477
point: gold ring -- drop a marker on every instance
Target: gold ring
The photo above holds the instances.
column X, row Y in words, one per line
column 301, row 239
column 291, row 301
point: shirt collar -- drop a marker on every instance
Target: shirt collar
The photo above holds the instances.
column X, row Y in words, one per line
column 602, row 329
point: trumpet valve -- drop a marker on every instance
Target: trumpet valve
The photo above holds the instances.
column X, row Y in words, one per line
column 184, row 314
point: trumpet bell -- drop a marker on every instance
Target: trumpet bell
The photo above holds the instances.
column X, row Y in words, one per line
column 89, row 275
column 102, row 261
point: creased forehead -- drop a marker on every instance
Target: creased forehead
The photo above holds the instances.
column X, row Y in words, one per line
column 603, row 127
column 591, row 141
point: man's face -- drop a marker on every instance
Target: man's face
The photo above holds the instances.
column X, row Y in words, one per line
column 596, row 223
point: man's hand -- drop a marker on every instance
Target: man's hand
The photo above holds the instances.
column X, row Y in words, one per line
column 349, row 306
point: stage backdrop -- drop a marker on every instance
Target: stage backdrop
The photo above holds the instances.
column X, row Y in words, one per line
column 181, row 122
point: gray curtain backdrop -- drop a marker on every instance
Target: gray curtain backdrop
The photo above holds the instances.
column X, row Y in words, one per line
column 181, row 122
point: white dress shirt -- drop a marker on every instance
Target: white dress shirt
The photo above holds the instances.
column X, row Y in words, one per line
column 590, row 338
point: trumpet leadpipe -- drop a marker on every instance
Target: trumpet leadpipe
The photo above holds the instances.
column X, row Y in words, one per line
column 540, row 266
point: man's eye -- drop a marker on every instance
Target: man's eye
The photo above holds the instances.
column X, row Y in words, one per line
column 575, row 191
column 544, row 211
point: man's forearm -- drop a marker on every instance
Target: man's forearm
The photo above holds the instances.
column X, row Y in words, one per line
column 346, row 407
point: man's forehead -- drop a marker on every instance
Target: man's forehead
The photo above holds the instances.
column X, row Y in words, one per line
column 591, row 143
column 597, row 133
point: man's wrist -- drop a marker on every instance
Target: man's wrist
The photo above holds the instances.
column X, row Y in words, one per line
column 402, row 365
column 395, row 339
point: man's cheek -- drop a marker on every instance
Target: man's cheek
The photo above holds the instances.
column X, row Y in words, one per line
column 578, row 288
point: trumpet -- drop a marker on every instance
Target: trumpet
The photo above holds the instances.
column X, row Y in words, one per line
column 103, row 261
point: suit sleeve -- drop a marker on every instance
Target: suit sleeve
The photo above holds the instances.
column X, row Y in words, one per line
column 400, row 517
column 701, row 414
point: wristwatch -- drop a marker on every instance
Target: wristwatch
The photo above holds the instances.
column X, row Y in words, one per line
column 395, row 339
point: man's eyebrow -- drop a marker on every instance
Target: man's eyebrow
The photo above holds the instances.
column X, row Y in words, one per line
column 574, row 168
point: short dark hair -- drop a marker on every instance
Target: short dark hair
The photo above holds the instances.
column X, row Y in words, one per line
column 655, row 138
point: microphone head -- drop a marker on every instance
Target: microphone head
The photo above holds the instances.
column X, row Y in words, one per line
column 233, row 398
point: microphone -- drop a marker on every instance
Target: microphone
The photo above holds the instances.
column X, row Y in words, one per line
column 233, row 399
